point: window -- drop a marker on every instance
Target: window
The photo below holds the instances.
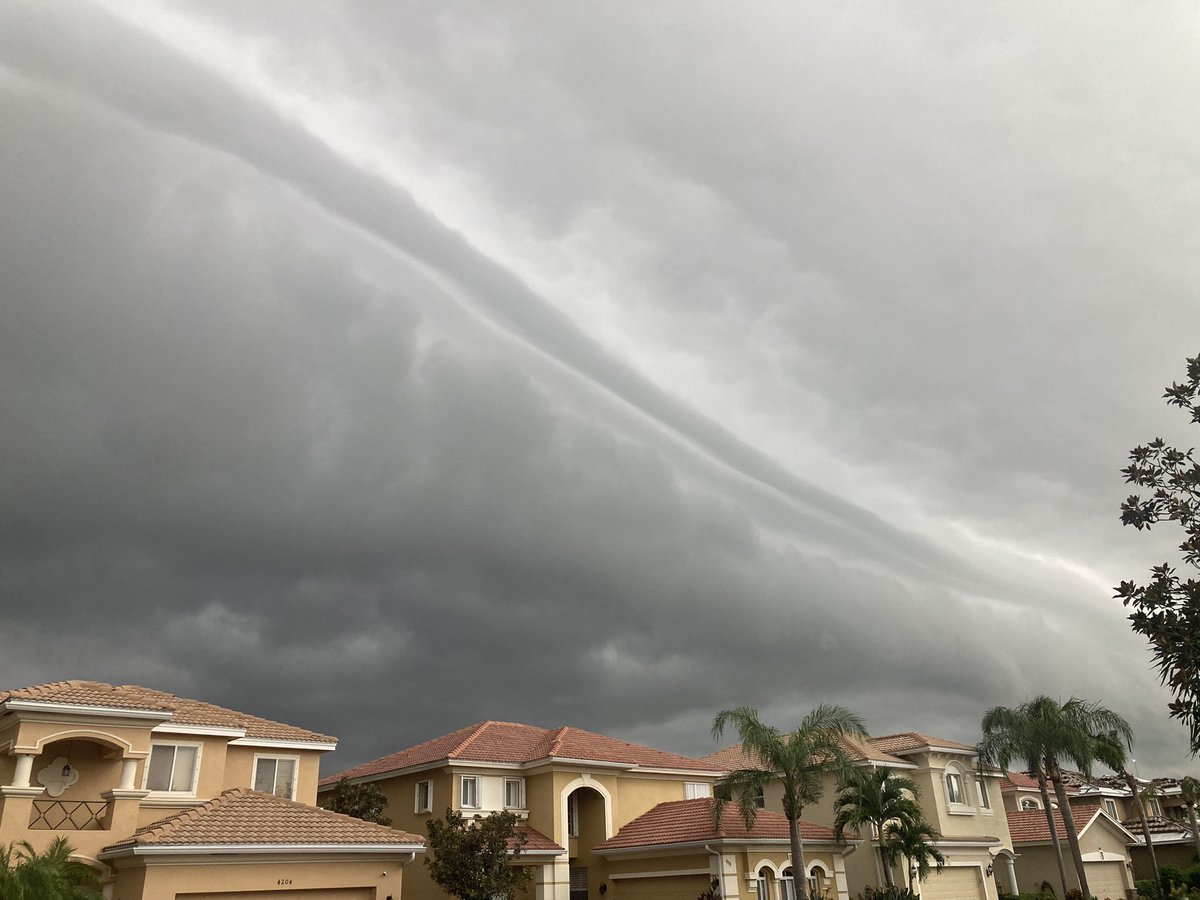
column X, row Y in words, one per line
column 1110, row 807
column 694, row 790
column 573, row 815
column 469, row 792
column 984, row 801
column 954, row 787
column 763, row 884
column 1030, row 803
column 172, row 767
column 787, row 886
column 760, row 799
column 514, row 793
column 276, row 775
column 579, row 883
column 1153, row 808
column 423, row 799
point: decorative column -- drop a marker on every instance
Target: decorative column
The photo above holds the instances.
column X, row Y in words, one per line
column 1010, row 870
column 125, row 800
column 16, row 810
column 24, row 770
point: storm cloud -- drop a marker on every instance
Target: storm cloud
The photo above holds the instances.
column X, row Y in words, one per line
column 384, row 369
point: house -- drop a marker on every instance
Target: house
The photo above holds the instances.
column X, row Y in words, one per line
column 605, row 819
column 1103, row 842
column 958, row 800
column 1171, row 835
column 167, row 797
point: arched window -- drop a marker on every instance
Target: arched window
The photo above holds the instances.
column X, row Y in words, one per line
column 956, row 788
column 817, row 879
column 764, row 883
column 787, row 885
column 1030, row 803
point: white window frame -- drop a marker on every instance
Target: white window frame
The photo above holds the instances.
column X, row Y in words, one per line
column 696, row 790
column 787, row 885
column 954, row 777
column 473, row 780
column 520, row 798
column 427, row 806
column 764, row 885
column 573, row 814
column 760, row 798
column 985, row 802
column 1110, row 806
column 1030, row 803
column 198, row 747
column 294, row 760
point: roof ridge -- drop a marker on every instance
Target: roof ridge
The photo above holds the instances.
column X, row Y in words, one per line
column 462, row 745
column 556, row 742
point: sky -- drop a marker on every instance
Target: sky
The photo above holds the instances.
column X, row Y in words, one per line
column 382, row 368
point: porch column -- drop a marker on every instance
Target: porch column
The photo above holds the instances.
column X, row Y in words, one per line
column 1010, row 869
column 24, row 770
column 128, row 771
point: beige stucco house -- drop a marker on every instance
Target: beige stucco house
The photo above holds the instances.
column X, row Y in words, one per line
column 1103, row 843
column 173, row 798
column 605, row 819
column 957, row 799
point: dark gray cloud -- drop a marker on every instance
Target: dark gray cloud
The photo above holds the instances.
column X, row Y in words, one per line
column 383, row 370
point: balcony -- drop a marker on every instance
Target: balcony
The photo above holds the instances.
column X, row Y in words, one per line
column 69, row 815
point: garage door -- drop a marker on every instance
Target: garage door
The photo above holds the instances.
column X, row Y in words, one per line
column 962, row 883
column 318, row 894
column 673, row 887
column 1106, row 880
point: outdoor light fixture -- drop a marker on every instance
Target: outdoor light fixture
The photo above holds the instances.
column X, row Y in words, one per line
column 989, row 870
column 66, row 773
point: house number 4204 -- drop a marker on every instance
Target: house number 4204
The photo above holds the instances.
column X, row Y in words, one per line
column 284, row 881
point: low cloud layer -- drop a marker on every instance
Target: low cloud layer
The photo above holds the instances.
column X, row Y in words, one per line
column 387, row 370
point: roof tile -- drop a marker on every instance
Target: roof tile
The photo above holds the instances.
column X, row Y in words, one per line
column 243, row 816
column 182, row 710
column 689, row 821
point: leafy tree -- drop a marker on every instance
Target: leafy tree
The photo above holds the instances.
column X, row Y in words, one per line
column 473, row 859
column 1166, row 610
column 363, row 801
column 915, row 842
column 876, row 797
column 1189, row 792
column 799, row 761
column 26, row 874
column 1055, row 731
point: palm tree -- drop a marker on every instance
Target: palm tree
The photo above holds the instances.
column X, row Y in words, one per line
column 26, row 874
column 1009, row 734
column 1111, row 752
column 799, row 761
column 1189, row 791
column 876, row 797
column 915, row 842
column 1056, row 731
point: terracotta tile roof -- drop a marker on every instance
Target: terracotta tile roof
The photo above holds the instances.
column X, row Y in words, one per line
column 688, row 821
column 1030, row 824
column 910, row 741
column 182, row 710
column 535, row 840
column 1018, row 780
column 243, row 816
column 1158, row 825
column 510, row 742
column 858, row 749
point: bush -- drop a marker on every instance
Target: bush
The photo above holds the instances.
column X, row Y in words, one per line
column 1147, row 889
column 892, row 893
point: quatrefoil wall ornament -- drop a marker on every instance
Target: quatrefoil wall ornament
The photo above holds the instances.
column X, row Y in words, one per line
column 53, row 778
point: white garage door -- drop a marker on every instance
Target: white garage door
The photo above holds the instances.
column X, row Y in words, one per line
column 962, row 883
column 1106, row 880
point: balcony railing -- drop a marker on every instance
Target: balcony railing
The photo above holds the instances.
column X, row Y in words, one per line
column 69, row 815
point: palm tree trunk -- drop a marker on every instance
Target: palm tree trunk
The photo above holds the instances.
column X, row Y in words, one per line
column 799, row 872
column 887, row 869
column 1062, row 868
column 1055, row 774
column 1141, row 808
column 1191, row 808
